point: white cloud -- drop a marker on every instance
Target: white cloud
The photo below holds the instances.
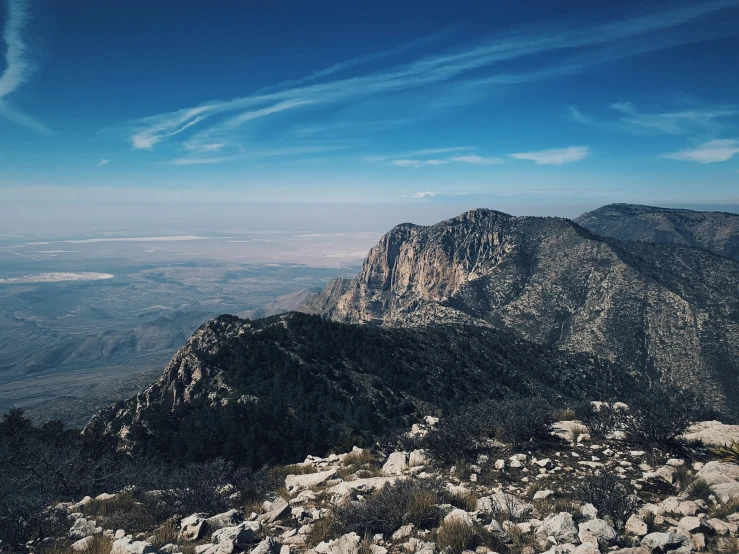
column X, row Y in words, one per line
column 594, row 44
column 555, row 156
column 19, row 66
column 407, row 163
column 624, row 107
column 102, row 162
column 436, row 162
column 477, row 160
column 709, row 152
column 427, row 194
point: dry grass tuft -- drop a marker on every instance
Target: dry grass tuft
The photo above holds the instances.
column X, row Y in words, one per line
column 724, row 509
column 568, row 414
column 321, row 531
column 165, row 534
column 124, row 502
column 576, row 431
column 466, row 501
column 455, row 536
column 358, row 458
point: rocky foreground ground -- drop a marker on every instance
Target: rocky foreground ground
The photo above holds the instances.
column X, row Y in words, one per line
column 577, row 495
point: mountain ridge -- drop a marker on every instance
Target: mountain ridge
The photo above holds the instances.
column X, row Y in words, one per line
column 716, row 232
column 666, row 311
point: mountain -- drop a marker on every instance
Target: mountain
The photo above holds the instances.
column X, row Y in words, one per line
column 717, row 232
column 668, row 312
column 281, row 304
column 276, row 389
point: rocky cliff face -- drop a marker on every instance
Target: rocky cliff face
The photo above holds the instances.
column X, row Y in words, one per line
column 663, row 311
column 716, row 232
column 273, row 390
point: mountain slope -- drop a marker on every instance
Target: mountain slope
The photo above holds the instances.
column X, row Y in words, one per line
column 717, row 232
column 665, row 311
column 276, row 389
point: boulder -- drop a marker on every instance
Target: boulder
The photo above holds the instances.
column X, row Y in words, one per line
column 403, row 532
column 417, row 458
column 193, row 527
column 598, row 532
column 589, row 511
column 459, row 516
column 226, row 519
column 667, row 542
column 83, row 528
column 277, row 509
column 267, row 546
column 346, row 544
column 83, row 544
column 587, row 548
column 239, row 535
column 715, row 473
column 636, row 526
column 128, row 546
column 509, row 504
column 691, row 524
column 294, row 483
column 169, row 549
column 396, row 463
column 726, row 491
column 540, row 495
column 713, row 432
column 560, row 526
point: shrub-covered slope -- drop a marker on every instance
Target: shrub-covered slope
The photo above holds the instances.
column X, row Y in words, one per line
column 276, row 389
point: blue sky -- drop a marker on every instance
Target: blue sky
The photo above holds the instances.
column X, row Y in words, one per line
column 329, row 101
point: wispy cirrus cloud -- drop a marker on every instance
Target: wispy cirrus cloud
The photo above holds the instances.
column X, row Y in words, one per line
column 579, row 47
column 555, row 156
column 102, row 162
column 417, row 163
column 695, row 121
column 477, row 160
column 19, row 65
column 710, row 152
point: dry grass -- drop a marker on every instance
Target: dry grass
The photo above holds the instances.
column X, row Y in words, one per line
column 124, row 502
column 165, row 534
column 552, row 505
column 321, row 531
column 683, row 476
column 576, row 431
column 455, row 536
column 359, row 458
column 421, row 507
column 724, row 509
column 519, row 540
column 466, row 501
column 568, row 414
column 280, row 472
column 365, row 547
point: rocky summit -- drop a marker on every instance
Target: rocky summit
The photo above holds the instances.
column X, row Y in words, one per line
column 716, row 232
column 666, row 312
